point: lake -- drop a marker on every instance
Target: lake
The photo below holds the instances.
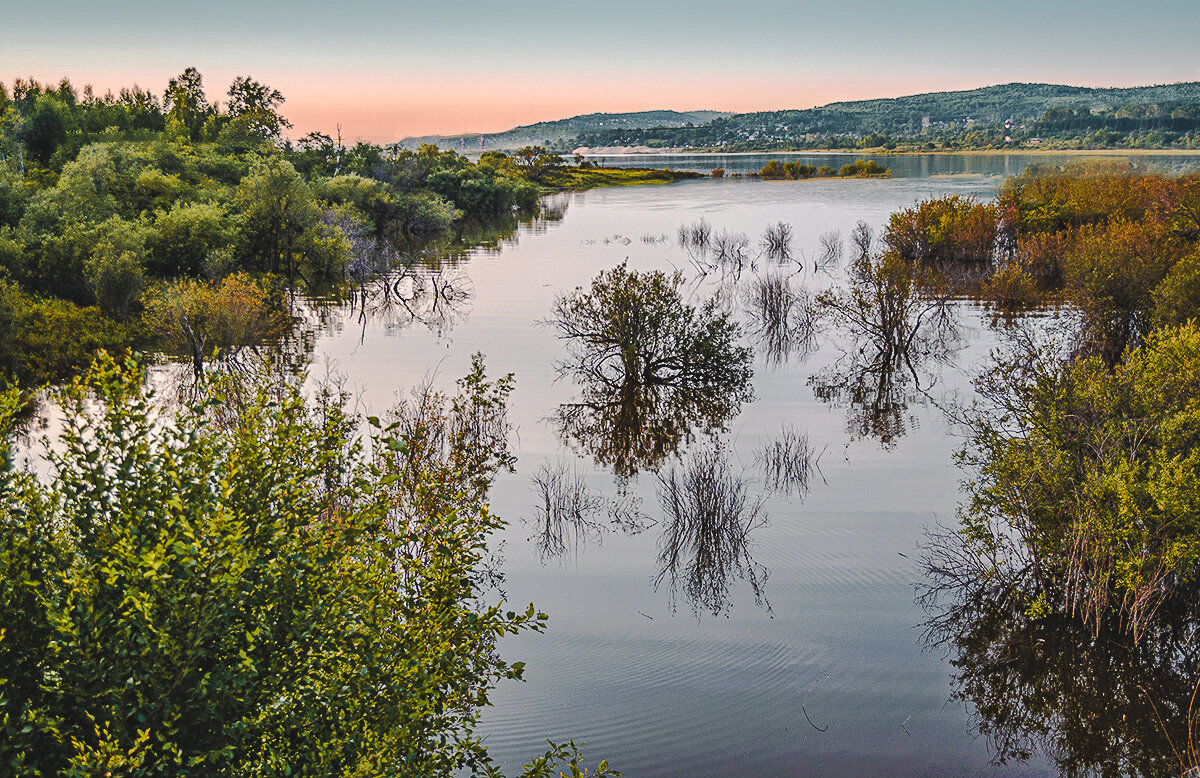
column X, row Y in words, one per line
column 801, row 655
column 901, row 165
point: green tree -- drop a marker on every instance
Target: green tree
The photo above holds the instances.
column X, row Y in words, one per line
column 185, row 238
column 214, row 321
column 536, row 163
column 115, row 271
column 255, row 106
column 185, row 104
column 1086, row 478
column 632, row 328
column 277, row 209
column 44, row 130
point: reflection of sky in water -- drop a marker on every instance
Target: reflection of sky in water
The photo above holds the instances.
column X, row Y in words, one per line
column 651, row 685
column 657, row 686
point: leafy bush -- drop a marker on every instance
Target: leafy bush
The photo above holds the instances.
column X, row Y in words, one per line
column 1110, row 272
column 864, row 167
column 44, row 340
column 634, row 328
column 944, row 229
column 259, row 598
column 1086, row 477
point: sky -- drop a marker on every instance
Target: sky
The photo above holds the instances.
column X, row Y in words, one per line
column 385, row 70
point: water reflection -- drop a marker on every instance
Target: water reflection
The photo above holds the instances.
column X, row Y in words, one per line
column 782, row 318
column 568, row 513
column 875, row 393
column 708, row 517
column 788, row 463
column 632, row 428
column 420, row 280
column 898, row 326
column 653, row 369
column 1095, row 702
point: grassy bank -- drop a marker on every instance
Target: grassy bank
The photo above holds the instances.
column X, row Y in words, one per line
column 592, row 177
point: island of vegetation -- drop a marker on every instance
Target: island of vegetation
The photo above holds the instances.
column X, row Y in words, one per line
column 797, row 171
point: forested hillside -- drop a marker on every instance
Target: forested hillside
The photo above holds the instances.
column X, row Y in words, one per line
column 992, row 117
column 558, row 132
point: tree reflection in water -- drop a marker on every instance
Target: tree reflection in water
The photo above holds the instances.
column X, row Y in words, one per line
column 631, row 427
column 406, row 280
column 567, row 513
column 709, row 516
column 652, row 368
column 1094, row 701
column 876, row 396
column 898, row 324
column 783, row 319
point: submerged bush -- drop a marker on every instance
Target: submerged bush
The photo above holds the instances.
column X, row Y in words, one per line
column 1087, row 477
column 944, row 229
column 632, row 328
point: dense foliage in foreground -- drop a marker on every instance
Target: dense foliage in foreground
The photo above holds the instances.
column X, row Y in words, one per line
column 259, row 593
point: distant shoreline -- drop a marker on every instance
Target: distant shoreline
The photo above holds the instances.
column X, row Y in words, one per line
column 884, row 152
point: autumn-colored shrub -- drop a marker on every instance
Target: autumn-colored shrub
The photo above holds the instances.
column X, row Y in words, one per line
column 944, row 229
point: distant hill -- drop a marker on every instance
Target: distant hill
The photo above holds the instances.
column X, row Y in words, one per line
column 985, row 105
column 935, row 114
column 564, row 129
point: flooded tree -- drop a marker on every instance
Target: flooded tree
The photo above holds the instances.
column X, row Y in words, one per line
column 219, row 322
column 635, row 329
column 1085, row 476
column 696, row 235
column 708, row 518
column 566, row 512
column 898, row 322
column 777, row 241
column 652, row 367
column 831, row 252
column 1067, row 597
column 783, row 319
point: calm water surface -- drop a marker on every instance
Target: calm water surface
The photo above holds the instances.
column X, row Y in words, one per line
column 901, row 165
column 823, row 673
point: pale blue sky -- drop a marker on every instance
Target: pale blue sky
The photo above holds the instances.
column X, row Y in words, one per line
column 388, row 69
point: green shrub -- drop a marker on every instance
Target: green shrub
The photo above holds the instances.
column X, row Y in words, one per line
column 260, row 597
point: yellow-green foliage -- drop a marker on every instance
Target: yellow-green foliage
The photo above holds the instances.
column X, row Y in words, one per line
column 1097, row 471
column 795, row 171
column 586, row 178
column 44, row 340
column 260, row 597
column 952, row 228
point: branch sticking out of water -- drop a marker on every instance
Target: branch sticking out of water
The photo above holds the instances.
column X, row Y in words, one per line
column 777, row 242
